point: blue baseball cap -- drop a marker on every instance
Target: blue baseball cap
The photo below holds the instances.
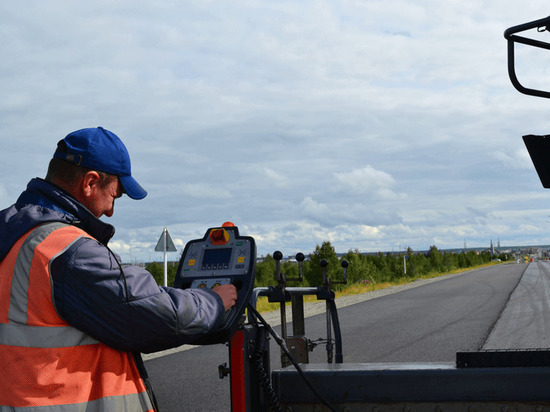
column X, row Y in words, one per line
column 99, row 149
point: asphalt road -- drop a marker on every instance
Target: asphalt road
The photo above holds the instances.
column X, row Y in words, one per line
column 524, row 322
column 426, row 322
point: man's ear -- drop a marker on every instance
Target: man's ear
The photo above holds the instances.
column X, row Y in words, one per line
column 89, row 183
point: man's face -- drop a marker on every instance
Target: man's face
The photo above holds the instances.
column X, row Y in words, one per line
column 102, row 197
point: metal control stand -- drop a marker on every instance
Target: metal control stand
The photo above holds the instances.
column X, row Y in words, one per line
column 249, row 369
column 298, row 344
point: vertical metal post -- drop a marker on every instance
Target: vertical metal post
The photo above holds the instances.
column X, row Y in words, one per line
column 329, row 332
column 298, row 323
column 238, row 372
column 165, row 236
column 249, row 370
column 284, row 359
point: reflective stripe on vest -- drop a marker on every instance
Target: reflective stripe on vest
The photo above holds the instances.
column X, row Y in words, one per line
column 48, row 365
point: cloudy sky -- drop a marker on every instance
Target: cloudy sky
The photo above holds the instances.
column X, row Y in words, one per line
column 375, row 125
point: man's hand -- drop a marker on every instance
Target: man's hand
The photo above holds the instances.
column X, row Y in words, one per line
column 228, row 293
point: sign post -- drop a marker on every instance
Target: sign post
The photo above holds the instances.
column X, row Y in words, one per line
column 165, row 244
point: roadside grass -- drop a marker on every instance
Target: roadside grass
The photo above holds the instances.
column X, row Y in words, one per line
column 263, row 305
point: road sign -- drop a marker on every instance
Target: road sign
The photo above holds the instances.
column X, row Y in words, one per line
column 169, row 246
column 165, row 244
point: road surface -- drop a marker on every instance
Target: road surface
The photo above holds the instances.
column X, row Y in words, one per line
column 424, row 321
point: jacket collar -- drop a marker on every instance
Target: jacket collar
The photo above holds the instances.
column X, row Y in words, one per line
column 43, row 202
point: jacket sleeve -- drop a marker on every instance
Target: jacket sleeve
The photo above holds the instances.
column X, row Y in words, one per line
column 124, row 307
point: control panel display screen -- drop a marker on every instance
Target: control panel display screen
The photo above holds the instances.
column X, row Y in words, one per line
column 216, row 259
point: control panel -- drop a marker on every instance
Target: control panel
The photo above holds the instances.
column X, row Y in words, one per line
column 222, row 256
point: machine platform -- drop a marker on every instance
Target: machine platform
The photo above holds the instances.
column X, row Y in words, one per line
column 414, row 387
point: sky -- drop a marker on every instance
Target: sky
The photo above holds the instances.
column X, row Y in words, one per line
column 374, row 125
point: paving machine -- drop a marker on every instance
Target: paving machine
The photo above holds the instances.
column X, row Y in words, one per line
column 507, row 380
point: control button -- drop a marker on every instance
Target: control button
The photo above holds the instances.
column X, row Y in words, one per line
column 219, row 236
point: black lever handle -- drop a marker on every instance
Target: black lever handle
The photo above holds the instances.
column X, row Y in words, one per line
column 278, row 256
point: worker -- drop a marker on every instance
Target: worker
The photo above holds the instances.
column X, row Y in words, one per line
column 73, row 321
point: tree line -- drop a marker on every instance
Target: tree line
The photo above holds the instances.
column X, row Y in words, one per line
column 363, row 267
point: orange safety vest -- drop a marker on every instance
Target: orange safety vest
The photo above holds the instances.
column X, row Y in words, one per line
column 48, row 365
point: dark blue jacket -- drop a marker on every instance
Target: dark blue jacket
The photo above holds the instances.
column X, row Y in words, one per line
column 122, row 307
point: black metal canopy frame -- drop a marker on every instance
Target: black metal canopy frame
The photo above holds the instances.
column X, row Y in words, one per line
column 512, row 37
column 537, row 146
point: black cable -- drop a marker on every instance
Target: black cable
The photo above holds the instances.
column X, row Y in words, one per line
column 263, row 376
column 282, row 344
column 339, row 358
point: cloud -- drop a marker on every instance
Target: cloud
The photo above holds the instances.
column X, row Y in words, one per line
column 517, row 160
column 277, row 178
column 368, row 181
column 204, row 191
column 368, row 124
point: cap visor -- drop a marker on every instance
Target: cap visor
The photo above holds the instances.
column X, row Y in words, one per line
column 132, row 188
